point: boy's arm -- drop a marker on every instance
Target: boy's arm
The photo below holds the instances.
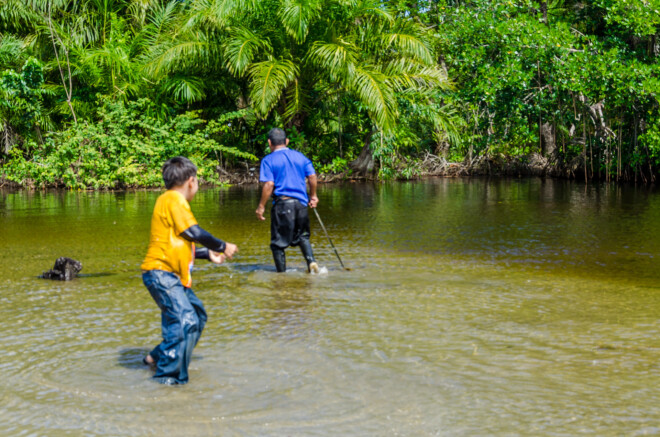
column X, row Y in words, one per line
column 198, row 235
column 214, row 257
column 201, row 253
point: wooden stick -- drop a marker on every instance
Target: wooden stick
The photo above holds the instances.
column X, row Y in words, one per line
column 330, row 240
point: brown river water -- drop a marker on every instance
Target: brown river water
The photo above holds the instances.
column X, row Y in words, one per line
column 472, row 308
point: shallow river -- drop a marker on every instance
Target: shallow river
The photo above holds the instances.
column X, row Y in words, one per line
column 472, row 308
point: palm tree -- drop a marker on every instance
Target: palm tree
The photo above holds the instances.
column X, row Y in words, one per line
column 319, row 46
column 122, row 49
column 283, row 59
column 295, row 55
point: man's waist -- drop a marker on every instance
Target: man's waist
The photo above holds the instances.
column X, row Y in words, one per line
column 277, row 199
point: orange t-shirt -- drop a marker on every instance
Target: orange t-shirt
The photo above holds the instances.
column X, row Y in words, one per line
column 167, row 249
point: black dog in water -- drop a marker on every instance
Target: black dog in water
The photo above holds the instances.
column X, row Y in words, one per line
column 65, row 269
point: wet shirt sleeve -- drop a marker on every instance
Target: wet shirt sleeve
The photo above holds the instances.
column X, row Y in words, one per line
column 308, row 167
column 265, row 172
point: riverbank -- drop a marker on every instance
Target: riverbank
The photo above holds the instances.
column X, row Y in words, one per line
column 534, row 165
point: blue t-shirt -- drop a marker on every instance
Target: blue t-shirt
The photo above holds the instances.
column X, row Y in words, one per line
column 287, row 169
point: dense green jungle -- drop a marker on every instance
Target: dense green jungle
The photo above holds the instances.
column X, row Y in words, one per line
column 97, row 94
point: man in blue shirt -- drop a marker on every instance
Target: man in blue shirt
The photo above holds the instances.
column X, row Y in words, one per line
column 284, row 173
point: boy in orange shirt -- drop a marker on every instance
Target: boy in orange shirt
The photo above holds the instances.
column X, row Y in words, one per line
column 166, row 270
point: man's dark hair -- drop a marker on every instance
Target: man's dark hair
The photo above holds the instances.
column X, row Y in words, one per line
column 277, row 137
column 178, row 170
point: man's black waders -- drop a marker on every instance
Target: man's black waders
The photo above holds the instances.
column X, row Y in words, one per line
column 289, row 226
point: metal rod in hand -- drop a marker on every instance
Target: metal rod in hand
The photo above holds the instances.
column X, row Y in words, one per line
column 329, row 239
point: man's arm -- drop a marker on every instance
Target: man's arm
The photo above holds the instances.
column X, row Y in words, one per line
column 266, row 192
column 313, row 200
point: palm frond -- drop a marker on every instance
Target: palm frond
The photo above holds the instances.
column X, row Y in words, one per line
column 170, row 57
column 217, row 13
column 19, row 14
column 229, row 8
column 268, row 80
column 367, row 8
column 203, row 12
column 241, row 48
column 161, row 24
column 11, row 51
column 138, row 9
column 296, row 16
column 336, row 57
column 404, row 73
column 407, row 44
column 296, row 101
column 185, row 89
column 114, row 59
column 42, row 5
column 374, row 92
column 162, row 17
column 447, row 123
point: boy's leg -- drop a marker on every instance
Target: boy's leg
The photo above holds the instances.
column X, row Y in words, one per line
column 180, row 326
column 200, row 311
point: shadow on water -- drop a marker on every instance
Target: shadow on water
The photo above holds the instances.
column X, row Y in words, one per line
column 249, row 268
column 79, row 275
column 131, row 358
column 95, row 275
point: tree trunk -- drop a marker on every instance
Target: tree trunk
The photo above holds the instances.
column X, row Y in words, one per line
column 8, row 138
column 544, row 12
column 364, row 164
column 548, row 143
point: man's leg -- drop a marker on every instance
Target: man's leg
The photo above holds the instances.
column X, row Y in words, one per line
column 180, row 325
column 302, row 233
column 306, row 249
column 282, row 217
column 280, row 259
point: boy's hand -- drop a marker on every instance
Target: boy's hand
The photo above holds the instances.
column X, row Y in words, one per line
column 313, row 201
column 216, row 257
column 230, row 250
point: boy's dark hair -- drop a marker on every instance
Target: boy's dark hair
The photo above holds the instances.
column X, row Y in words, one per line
column 178, row 170
column 277, row 137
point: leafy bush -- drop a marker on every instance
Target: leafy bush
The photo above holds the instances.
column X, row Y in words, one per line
column 20, row 102
column 338, row 165
column 126, row 147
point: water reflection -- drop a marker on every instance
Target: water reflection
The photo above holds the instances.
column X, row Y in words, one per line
column 289, row 306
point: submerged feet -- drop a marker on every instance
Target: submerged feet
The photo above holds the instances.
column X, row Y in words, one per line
column 149, row 361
